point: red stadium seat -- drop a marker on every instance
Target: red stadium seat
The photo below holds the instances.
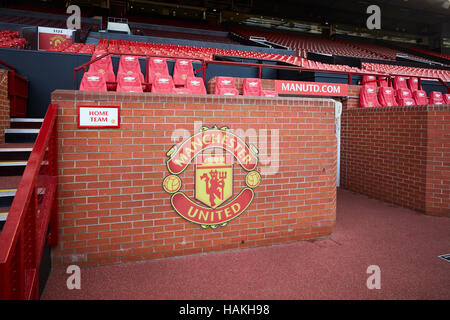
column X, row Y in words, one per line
column 182, row 70
column 128, row 83
column 182, row 90
column 157, row 67
column 386, row 97
column 383, row 82
column 93, row 81
column 368, row 97
column 407, row 102
column 402, row 94
column 225, row 86
column 413, row 84
column 163, row 84
column 103, row 66
column 400, row 83
column 130, row 65
column 369, row 81
column 447, row 98
column 196, row 85
column 436, row 97
column 420, row 96
column 253, row 87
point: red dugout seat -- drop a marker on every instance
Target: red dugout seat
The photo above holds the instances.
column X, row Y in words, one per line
column 401, row 95
column 413, row 84
column 93, row 81
column 196, row 85
column 253, row 87
column 225, row 86
column 130, row 65
column 182, row 70
column 128, row 83
column 157, row 67
column 103, row 66
column 369, row 81
column 383, row 82
column 408, row 102
column 368, row 97
column 420, row 96
column 386, row 97
column 436, row 97
column 182, row 90
column 163, row 84
column 447, row 98
column 400, row 83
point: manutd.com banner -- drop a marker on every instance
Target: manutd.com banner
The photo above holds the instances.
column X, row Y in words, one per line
column 311, row 88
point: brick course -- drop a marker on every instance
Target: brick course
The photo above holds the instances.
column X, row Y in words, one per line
column 112, row 208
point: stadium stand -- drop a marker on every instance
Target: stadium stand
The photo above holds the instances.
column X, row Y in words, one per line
column 11, row 39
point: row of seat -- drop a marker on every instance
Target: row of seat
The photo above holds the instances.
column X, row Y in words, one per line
column 407, row 71
column 399, row 82
column 250, row 87
column 101, row 76
column 135, row 47
column 11, row 39
column 130, row 65
column 94, row 81
column 388, row 97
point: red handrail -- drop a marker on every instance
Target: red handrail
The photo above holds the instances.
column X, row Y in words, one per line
column 33, row 213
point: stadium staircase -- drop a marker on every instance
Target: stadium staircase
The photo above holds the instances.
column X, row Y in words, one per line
column 14, row 153
column 28, row 220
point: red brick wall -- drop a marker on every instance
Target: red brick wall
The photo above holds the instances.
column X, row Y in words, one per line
column 112, row 207
column 4, row 104
column 399, row 155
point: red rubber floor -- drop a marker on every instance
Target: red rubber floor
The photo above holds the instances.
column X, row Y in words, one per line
column 404, row 244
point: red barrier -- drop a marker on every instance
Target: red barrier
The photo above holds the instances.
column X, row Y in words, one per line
column 33, row 213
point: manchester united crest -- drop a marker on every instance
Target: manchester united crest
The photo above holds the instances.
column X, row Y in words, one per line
column 214, row 204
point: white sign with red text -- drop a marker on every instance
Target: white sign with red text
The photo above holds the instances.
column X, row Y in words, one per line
column 98, row 117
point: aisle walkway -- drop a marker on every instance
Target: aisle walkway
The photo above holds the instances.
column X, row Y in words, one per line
column 404, row 244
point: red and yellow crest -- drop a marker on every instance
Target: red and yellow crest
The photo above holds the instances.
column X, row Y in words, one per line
column 213, row 204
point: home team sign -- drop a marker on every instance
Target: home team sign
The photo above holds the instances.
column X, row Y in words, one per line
column 98, row 117
column 311, row 88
